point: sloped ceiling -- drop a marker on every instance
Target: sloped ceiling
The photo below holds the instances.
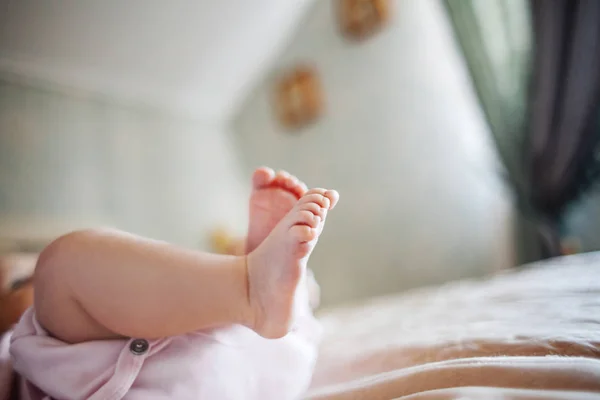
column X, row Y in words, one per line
column 197, row 57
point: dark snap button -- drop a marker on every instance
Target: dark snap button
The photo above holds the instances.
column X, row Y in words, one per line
column 139, row 346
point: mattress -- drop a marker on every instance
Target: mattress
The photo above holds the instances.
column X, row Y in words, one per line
column 525, row 334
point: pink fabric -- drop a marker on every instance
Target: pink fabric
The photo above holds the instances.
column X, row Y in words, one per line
column 232, row 363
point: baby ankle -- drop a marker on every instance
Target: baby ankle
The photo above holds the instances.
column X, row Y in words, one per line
column 248, row 315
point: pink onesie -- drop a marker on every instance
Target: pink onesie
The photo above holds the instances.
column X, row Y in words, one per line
column 232, row 363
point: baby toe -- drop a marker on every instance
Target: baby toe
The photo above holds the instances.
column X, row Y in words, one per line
column 314, row 208
column 303, row 233
column 333, row 197
column 306, row 217
column 295, row 187
column 315, row 197
column 262, row 176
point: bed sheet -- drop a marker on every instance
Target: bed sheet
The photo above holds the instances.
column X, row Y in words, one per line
column 528, row 333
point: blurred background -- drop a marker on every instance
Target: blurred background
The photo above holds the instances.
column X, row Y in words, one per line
column 151, row 116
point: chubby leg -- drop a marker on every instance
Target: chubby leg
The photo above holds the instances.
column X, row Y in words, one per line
column 93, row 285
column 101, row 284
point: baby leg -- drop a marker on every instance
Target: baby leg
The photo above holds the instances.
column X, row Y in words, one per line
column 94, row 285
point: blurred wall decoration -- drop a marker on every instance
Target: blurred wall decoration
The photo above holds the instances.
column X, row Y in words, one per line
column 360, row 19
column 299, row 97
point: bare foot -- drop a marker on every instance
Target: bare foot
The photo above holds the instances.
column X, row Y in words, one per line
column 273, row 196
column 278, row 263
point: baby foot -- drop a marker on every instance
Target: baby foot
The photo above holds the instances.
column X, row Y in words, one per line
column 273, row 196
column 276, row 266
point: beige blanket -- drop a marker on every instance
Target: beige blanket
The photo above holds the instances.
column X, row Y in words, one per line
column 533, row 334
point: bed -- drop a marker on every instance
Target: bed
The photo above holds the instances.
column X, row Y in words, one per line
column 532, row 333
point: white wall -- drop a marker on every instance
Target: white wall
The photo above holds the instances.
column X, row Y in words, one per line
column 404, row 142
column 191, row 57
column 69, row 161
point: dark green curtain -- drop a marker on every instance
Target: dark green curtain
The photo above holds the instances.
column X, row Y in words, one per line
column 535, row 65
column 497, row 38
